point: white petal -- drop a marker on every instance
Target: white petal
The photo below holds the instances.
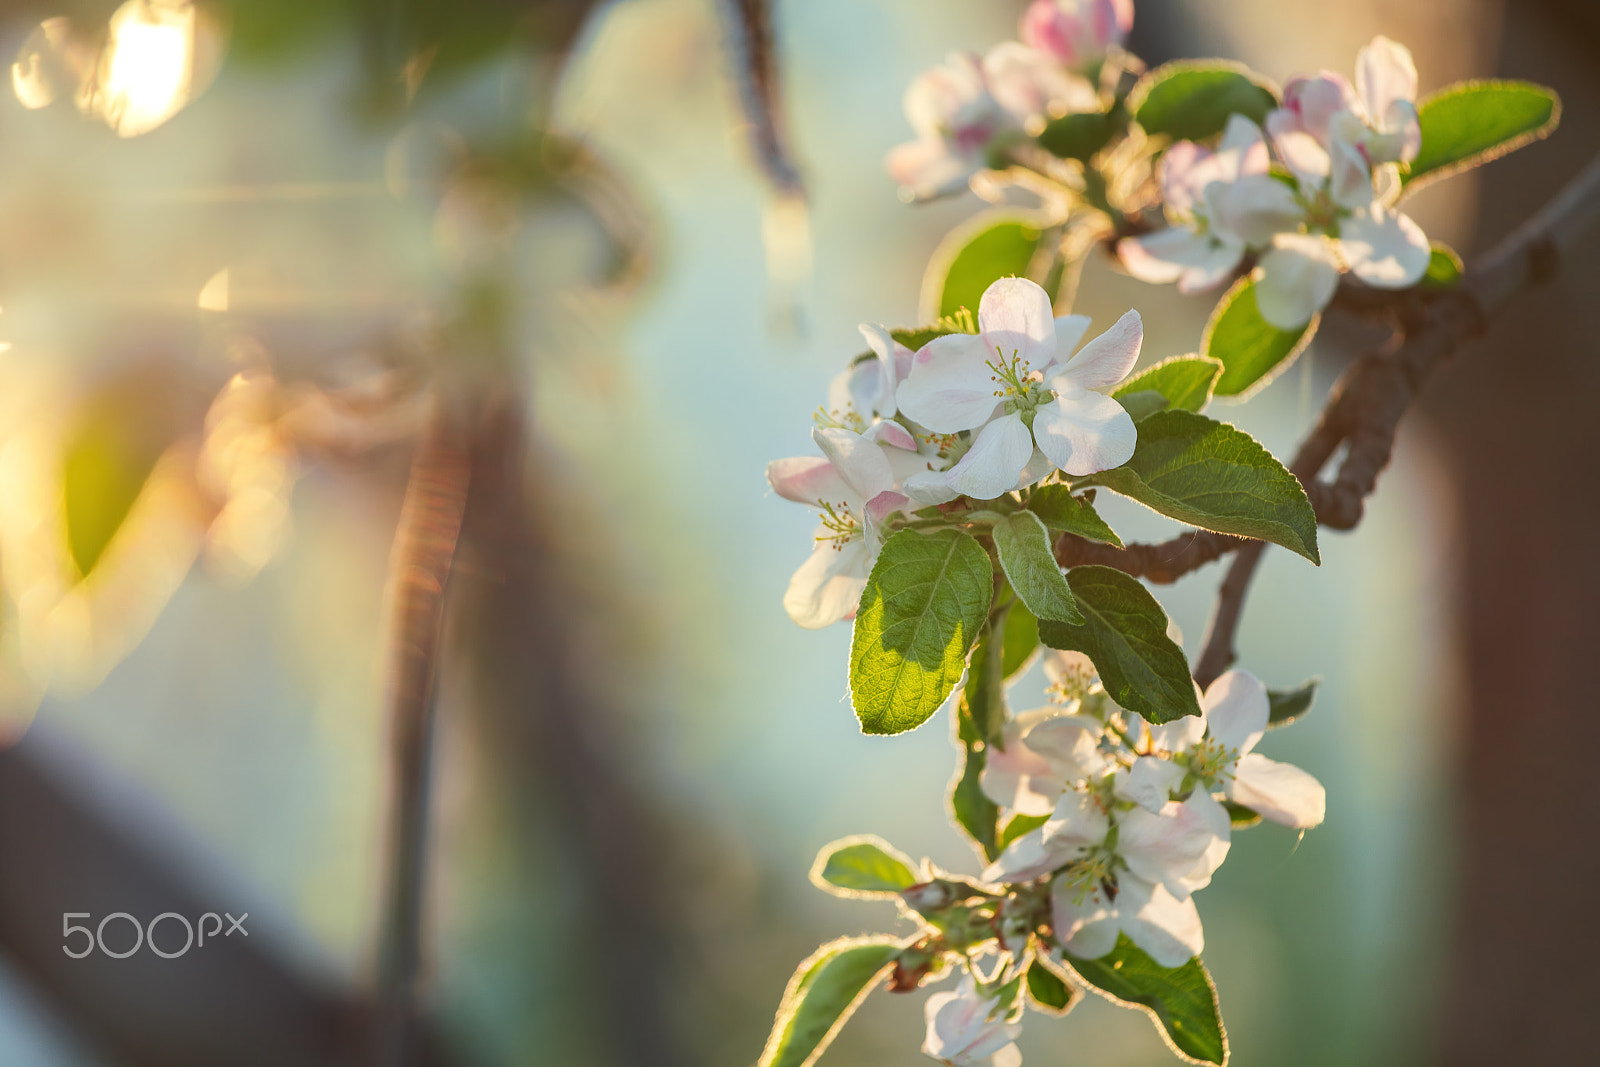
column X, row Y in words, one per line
column 1385, row 74
column 1010, row 1056
column 1149, row 782
column 1184, row 172
column 1178, row 735
column 1240, row 136
column 1214, row 816
column 927, row 168
column 1163, row 925
column 1162, row 257
column 1349, row 173
column 1015, row 318
column 1038, row 466
column 991, row 466
column 889, row 432
column 1069, row 331
column 1026, row 858
column 860, row 462
column 1309, row 104
column 1084, row 432
column 1166, row 846
column 951, row 385
column 1070, row 745
column 1076, row 823
column 828, row 585
column 1085, row 922
column 1236, row 709
column 1254, row 208
column 1031, row 85
column 806, row 480
column 887, row 349
column 1384, row 248
column 1107, row 359
column 1303, row 154
column 1281, row 792
column 930, row 487
column 1298, row 277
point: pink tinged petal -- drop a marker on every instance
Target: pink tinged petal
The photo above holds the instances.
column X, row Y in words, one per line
column 1312, row 102
column 885, row 504
column 941, row 97
column 951, row 385
column 1385, row 75
column 1255, row 208
column 1015, row 319
column 1165, row 926
column 806, row 480
column 928, row 169
column 1084, row 432
column 1184, row 177
column 1049, row 29
column 888, row 432
column 991, row 466
column 1026, row 858
column 1281, row 792
column 1085, row 922
column 1385, row 249
column 1076, row 823
column 1298, row 277
column 828, row 585
column 860, row 462
column 1236, row 709
column 1030, row 84
column 1149, row 782
column 1069, row 745
column 1178, row 253
column 1164, row 847
column 1107, row 359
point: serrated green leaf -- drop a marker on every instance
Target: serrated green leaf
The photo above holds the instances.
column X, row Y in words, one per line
column 1021, row 639
column 1190, row 100
column 1181, row 1001
column 1049, row 990
column 1023, row 545
column 1251, row 350
column 1184, row 381
column 1081, row 134
column 1444, row 267
column 1287, row 705
column 863, row 867
column 1239, row 816
column 923, row 605
column 982, row 710
column 1470, row 123
column 1143, row 403
column 973, row 256
column 1217, row 477
column 825, row 991
column 1017, row 826
column 1067, row 513
column 1125, row 634
column 973, row 810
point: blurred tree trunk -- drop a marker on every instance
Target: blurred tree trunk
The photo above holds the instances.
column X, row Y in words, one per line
column 1518, row 416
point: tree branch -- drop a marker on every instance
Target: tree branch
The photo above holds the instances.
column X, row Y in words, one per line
column 1364, row 409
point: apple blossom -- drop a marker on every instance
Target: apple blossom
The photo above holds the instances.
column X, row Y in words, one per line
column 1044, row 752
column 966, row 1028
column 1378, row 115
column 1028, row 405
column 1077, row 33
column 863, row 393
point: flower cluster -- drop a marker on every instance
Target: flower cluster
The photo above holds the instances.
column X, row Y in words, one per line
column 1136, row 819
column 963, row 110
column 973, row 415
column 1312, row 195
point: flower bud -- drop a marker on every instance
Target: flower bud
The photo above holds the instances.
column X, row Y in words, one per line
column 929, row 896
column 1079, row 33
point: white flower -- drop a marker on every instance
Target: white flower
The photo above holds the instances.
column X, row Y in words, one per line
column 1013, row 385
column 854, row 484
column 965, row 1028
column 862, row 394
column 1045, row 751
column 1077, row 33
column 1378, row 116
column 1217, row 749
column 1218, row 203
column 960, row 109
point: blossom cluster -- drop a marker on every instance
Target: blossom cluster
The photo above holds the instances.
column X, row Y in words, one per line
column 1311, row 194
column 973, row 415
column 1136, row 820
column 963, row 110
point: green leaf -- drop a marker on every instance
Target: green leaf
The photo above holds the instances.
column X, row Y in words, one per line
column 973, row 810
column 1030, row 566
column 1470, row 123
column 1081, row 134
column 1125, row 634
column 1215, row 476
column 1289, row 704
column 971, row 257
column 921, row 610
column 1251, row 350
column 1190, row 100
column 1141, row 404
column 104, row 468
column 982, row 712
column 1066, row 513
column 1017, row 826
column 1049, row 990
column 1021, row 639
column 1185, row 381
column 1444, row 267
column 863, row 866
column 1181, row 1001
column 825, row 991
column 1241, row 817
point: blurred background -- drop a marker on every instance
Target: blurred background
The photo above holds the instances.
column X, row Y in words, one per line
column 225, row 294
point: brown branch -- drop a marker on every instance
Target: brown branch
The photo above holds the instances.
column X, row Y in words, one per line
column 753, row 56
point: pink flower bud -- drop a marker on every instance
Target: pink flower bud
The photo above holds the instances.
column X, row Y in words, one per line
column 1079, row 33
